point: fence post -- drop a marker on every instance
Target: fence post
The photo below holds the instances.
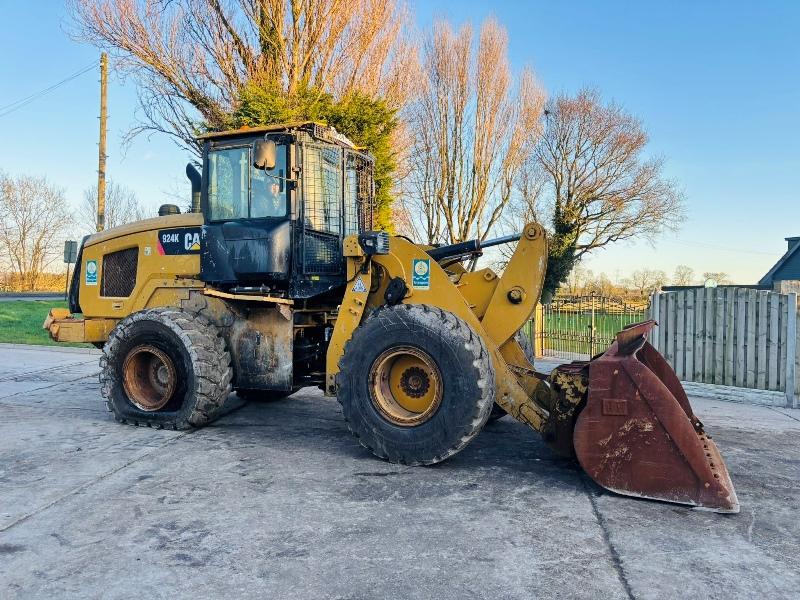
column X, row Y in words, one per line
column 791, row 351
column 655, row 301
column 591, row 326
column 537, row 334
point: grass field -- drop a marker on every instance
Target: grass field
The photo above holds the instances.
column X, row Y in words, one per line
column 21, row 321
column 569, row 332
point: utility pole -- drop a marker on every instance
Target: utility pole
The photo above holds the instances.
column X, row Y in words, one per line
column 101, row 163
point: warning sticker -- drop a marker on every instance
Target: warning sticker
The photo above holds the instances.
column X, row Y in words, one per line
column 359, row 287
column 91, row 272
column 421, row 273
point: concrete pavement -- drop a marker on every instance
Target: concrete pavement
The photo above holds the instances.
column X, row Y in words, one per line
column 279, row 501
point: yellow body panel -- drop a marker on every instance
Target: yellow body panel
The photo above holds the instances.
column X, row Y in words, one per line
column 65, row 328
column 161, row 280
column 351, row 310
column 248, row 297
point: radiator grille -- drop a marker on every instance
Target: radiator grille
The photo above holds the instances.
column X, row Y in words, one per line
column 119, row 273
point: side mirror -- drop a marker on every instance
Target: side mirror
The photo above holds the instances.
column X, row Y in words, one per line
column 265, row 154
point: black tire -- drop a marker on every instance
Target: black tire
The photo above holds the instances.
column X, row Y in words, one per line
column 202, row 368
column 498, row 412
column 263, row 395
column 527, row 346
column 467, row 393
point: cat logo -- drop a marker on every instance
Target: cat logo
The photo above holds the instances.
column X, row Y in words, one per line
column 183, row 240
column 192, row 242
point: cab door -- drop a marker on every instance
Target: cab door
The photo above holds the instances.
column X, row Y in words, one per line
column 247, row 237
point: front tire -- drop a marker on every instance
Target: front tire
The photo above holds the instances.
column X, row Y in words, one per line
column 416, row 384
column 165, row 367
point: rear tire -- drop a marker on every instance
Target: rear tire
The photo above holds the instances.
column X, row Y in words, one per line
column 416, row 384
column 165, row 367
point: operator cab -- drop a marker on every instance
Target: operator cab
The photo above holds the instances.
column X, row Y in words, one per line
column 277, row 203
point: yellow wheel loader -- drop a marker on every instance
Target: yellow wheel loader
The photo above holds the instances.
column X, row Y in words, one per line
column 275, row 281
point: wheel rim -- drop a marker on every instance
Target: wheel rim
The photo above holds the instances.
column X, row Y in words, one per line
column 405, row 385
column 149, row 378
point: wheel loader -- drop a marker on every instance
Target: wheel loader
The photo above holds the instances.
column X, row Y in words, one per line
column 275, row 280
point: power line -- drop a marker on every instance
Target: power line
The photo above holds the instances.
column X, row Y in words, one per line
column 14, row 106
column 23, row 101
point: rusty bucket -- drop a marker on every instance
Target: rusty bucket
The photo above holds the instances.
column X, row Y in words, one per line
column 637, row 434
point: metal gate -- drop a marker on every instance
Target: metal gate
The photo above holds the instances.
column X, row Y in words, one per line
column 578, row 327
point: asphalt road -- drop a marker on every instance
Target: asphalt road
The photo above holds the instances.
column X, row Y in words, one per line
column 4, row 297
column 279, row 501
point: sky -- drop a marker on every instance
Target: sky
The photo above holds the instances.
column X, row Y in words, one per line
column 716, row 84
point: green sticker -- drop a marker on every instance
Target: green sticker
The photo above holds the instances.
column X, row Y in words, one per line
column 91, row 272
column 421, row 273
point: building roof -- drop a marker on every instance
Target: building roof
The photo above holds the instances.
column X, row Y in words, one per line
column 787, row 267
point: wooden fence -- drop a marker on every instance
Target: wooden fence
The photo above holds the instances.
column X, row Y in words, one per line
column 729, row 336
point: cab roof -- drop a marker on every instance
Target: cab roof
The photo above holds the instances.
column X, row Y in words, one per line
column 315, row 128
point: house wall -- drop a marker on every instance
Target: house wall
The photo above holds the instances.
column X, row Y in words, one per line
column 786, row 287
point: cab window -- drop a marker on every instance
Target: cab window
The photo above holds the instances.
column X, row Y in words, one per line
column 350, row 200
column 237, row 190
column 268, row 189
column 322, row 170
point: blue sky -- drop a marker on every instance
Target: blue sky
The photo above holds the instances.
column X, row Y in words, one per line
column 717, row 85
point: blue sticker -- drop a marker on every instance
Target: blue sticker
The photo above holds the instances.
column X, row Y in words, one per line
column 421, row 273
column 91, row 272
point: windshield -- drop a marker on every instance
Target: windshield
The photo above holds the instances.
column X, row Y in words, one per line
column 237, row 190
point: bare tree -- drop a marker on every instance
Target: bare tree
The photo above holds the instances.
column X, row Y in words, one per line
column 647, row 281
column 720, row 277
column 577, row 280
column 683, row 275
column 473, row 127
column 33, row 221
column 191, row 58
column 122, row 206
column 601, row 188
column 601, row 285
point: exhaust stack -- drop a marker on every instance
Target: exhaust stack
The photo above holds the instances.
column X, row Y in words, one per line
column 194, row 176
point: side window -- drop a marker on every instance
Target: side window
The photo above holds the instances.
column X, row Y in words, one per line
column 358, row 194
column 228, row 183
column 322, row 169
column 350, row 196
column 268, row 189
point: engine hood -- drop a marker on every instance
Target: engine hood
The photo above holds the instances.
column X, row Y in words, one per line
column 184, row 220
